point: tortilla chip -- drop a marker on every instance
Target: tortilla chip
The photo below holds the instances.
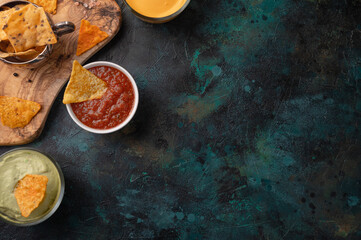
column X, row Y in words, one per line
column 4, row 45
column 89, row 36
column 28, row 54
column 19, row 6
column 32, row 53
column 3, row 8
column 16, row 112
column 83, row 86
column 7, row 50
column 10, row 48
column 4, row 16
column 30, row 192
column 40, row 49
column 28, row 28
column 48, row 5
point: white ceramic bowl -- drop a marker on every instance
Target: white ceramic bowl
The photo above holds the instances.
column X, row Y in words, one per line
column 131, row 114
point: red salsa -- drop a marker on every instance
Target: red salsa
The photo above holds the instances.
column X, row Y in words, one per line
column 114, row 106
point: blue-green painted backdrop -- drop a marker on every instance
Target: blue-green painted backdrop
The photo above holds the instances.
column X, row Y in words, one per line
column 248, row 128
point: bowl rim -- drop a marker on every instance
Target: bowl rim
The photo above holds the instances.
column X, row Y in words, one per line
column 130, row 116
column 155, row 19
column 61, row 193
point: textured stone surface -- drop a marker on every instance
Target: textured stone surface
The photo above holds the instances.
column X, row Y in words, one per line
column 247, row 128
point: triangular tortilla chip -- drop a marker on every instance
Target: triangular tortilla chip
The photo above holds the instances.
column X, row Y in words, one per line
column 83, row 86
column 28, row 28
column 4, row 16
column 48, row 5
column 16, row 112
column 30, row 192
column 89, row 36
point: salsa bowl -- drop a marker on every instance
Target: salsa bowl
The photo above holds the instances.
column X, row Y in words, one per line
column 89, row 116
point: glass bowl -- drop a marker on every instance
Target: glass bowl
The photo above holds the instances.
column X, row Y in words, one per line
column 53, row 204
column 157, row 20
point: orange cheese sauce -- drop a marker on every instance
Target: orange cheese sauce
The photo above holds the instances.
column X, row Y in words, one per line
column 156, row 8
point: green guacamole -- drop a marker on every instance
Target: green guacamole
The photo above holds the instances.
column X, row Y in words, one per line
column 13, row 167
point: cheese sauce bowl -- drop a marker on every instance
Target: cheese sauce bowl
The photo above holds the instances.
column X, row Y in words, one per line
column 115, row 74
column 161, row 11
column 14, row 165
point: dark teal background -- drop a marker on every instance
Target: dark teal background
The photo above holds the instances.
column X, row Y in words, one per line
column 247, row 128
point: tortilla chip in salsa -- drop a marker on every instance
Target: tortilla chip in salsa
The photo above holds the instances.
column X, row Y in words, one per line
column 30, row 192
column 83, row 86
column 16, row 112
column 89, row 36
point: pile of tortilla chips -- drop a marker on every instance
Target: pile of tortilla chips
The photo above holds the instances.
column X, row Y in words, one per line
column 24, row 32
column 89, row 36
column 30, row 192
column 83, row 86
column 16, row 112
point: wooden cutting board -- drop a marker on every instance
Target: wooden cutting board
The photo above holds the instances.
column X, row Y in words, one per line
column 43, row 84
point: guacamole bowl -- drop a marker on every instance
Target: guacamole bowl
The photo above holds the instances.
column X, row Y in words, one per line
column 14, row 166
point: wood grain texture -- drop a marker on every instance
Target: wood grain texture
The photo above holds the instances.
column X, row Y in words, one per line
column 43, row 84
